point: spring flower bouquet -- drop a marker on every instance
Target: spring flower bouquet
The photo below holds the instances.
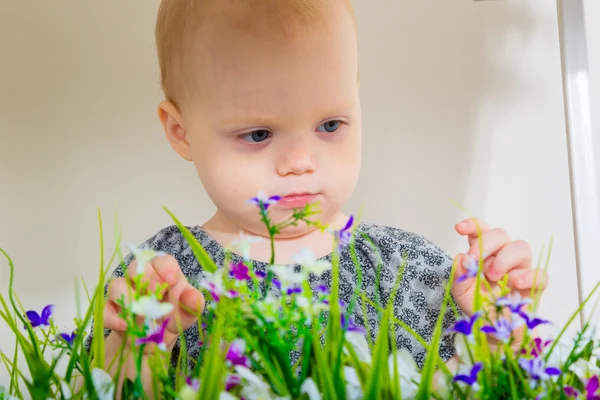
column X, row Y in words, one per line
column 248, row 333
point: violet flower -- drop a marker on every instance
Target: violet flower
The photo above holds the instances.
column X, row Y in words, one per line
column 213, row 289
column 502, row 328
column 350, row 326
column 591, row 388
column 472, row 268
column 536, row 369
column 262, row 201
column 291, row 291
column 261, row 274
column 532, row 322
column 40, row 320
column 194, row 384
column 68, row 337
column 322, row 289
column 465, row 326
column 235, row 354
column 513, row 301
column 344, row 235
column 239, row 271
column 471, row 378
column 156, row 336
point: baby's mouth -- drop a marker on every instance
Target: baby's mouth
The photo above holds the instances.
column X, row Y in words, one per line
column 297, row 200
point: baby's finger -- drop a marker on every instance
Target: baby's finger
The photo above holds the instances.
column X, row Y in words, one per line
column 471, row 227
column 111, row 317
column 119, row 288
column 168, row 270
column 515, row 255
column 492, row 241
column 536, row 279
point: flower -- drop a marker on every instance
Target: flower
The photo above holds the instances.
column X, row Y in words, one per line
column 361, row 347
column 407, row 371
column 156, row 336
column 309, row 264
column 513, row 301
column 472, row 268
column 353, row 387
column 537, row 348
column 40, row 320
column 244, row 243
column 143, row 256
column 235, row 354
column 232, row 381
column 470, row 378
column 254, row 388
column 291, row 291
column 571, row 391
column 502, row 328
column 68, row 337
column 262, row 201
column 239, row 271
column 309, row 387
column 591, row 388
column 536, row 369
column 350, row 326
column 344, row 235
column 190, row 389
column 286, row 275
column 5, row 396
column 584, row 369
column 150, row 308
column 532, row 322
column 103, row 383
column 465, row 326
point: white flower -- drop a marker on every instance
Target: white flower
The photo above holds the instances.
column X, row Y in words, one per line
column 254, row 388
column 559, row 355
column 310, row 388
column 584, row 369
column 150, row 308
column 143, row 256
column 462, row 350
column 103, row 384
column 306, row 258
column 286, row 275
column 4, row 392
column 407, row 371
column 361, row 347
column 244, row 243
column 353, row 387
column 223, row 396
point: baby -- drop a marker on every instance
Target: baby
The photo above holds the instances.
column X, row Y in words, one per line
column 263, row 95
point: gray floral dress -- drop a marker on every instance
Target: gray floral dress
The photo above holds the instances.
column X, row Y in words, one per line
column 417, row 303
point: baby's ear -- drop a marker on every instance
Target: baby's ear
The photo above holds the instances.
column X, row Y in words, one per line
column 173, row 125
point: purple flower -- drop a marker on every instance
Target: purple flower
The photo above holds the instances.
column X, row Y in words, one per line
column 213, row 289
column 532, row 323
column 536, row 369
column 232, row 294
column 571, row 391
column 591, row 388
column 322, row 289
column 261, row 274
column 156, row 336
column 344, row 235
column 465, row 326
column 232, row 381
column 502, row 328
column 514, row 301
column 36, row 320
column 471, row 378
column 472, row 270
column 538, row 347
column 350, row 326
column 68, row 337
column 291, row 291
column 235, row 354
column 262, row 201
column 193, row 383
column 276, row 283
column 239, row 271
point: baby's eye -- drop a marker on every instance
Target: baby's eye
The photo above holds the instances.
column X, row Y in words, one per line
column 256, row 136
column 330, row 126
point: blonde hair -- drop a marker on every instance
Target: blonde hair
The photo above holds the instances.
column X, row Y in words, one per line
column 179, row 20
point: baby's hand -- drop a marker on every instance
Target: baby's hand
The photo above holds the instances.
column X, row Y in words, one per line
column 501, row 256
column 187, row 301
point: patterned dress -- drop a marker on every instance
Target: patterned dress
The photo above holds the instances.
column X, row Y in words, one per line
column 417, row 303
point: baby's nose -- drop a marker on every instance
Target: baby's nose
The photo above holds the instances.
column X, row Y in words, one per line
column 296, row 160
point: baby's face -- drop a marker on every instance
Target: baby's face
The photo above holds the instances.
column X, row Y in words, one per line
column 279, row 115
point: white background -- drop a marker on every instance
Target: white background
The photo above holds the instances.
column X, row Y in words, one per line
column 462, row 100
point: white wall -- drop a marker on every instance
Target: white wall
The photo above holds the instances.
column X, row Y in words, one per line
column 461, row 100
